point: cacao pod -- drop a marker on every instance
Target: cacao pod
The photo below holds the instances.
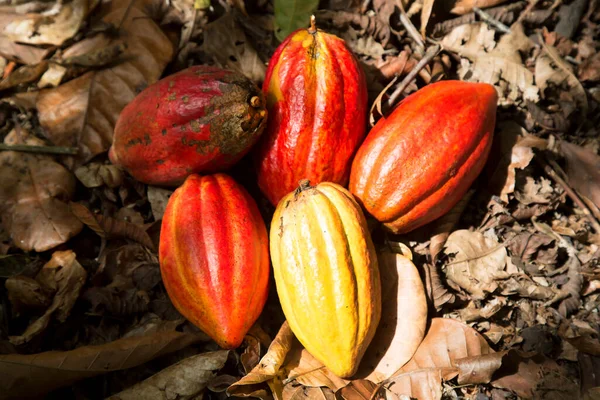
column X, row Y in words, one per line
column 214, row 256
column 418, row 162
column 326, row 273
column 317, row 98
column 202, row 119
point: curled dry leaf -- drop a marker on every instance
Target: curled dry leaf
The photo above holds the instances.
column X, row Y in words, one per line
column 158, row 198
column 83, row 111
column 33, row 191
column 583, row 170
column 359, row 389
column 183, row 380
column 64, row 276
column 26, row 293
column 53, row 76
column 449, row 349
column 302, row 367
column 50, row 29
column 478, row 263
column 403, row 322
column 425, row 14
column 22, row 53
column 228, row 45
column 96, row 174
column 37, row 374
column 23, row 75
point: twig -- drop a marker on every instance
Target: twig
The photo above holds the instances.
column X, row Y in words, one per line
column 530, row 6
column 411, row 30
column 550, row 167
column 39, row 149
column 491, row 21
column 431, row 52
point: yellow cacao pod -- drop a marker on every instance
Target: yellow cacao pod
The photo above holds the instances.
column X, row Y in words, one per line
column 326, row 273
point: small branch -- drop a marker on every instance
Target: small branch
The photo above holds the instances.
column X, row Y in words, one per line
column 490, row 20
column 530, row 6
column 411, row 29
column 431, row 52
column 39, row 149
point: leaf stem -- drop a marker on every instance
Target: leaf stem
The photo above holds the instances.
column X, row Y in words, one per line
column 39, row 149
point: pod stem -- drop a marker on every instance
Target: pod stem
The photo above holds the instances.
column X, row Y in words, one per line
column 313, row 25
column 303, row 184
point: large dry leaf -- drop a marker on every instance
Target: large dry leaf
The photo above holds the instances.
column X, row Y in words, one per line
column 83, row 112
column 437, row 358
column 37, row 374
column 299, row 392
column 583, row 170
column 64, row 276
column 550, row 68
column 403, row 320
column 307, row 370
column 34, row 190
column 228, row 45
column 49, row 29
column 182, row 381
column 22, row 53
column 96, row 174
column 500, row 66
column 478, row 262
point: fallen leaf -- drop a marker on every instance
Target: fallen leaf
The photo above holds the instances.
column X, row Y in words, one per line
column 292, row 15
column 37, row 374
column 229, row 46
column 583, row 170
column 436, row 359
column 53, row 76
column 66, row 277
column 299, row 392
column 83, row 111
column 183, row 380
column 53, row 29
column 588, row 71
column 25, row 293
column 24, row 75
column 461, row 7
column 529, row 191
column 359, row 389
column 22, row 53
column 479, row 262
column 34, row 189
column 403, row 322
column 112, row 301
column 96, row 174
column 425, row 14
column 158, row 198
column 307, row 370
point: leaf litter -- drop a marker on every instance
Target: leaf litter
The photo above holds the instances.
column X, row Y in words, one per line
column 496, row 300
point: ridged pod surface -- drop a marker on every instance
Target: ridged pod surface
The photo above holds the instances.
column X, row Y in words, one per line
column 214, row 256
column 326, row 273
column 316, row 97
column 417, row 163
column 202, row 119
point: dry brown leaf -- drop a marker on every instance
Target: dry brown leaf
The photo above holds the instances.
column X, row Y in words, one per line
column 402, row 325
column 24, row 75
column 22, row 53
column 550, row 68
column 26, row 293
column 52, row 77
column 359, row 389
column 300, row 392
column 466, row 6
column 158, row 198
column 50, row 29
column 529, row 191
column 499, row 65
column 307, row 370
column 478, row 263
column 65, row 277
column 269, row 370
column 33, row 191
column 183, row 380
column 96, row 174
column 37, row 374
column 426, row 14
column 229, row 46
column 583, row 170
column 107, row 227
column 436, row 359
column 588, row 71
column 83, row 112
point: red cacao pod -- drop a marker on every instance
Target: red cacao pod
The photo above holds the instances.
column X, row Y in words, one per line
column 214, row 256
column 418, row 162
column 317, row 98
column 202, row 119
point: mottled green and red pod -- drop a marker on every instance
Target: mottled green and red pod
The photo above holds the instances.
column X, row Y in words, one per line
column 202, row 119
column 418, row 162
column 214, row 257
column 317, row 98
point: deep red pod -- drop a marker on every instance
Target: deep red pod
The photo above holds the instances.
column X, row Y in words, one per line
column 201, row 119
column 214, row 256
column 418, row 162
column 317, row 101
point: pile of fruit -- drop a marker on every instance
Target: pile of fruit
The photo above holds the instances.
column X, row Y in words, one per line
column 315, row 163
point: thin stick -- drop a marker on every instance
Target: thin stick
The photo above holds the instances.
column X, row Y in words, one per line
column 431, row 52
column 39, row 149
column 550, row 167
column 491, row 21
column 530, row 6
column 411, row 29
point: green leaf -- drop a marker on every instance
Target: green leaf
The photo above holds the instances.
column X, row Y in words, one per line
column 292, row 14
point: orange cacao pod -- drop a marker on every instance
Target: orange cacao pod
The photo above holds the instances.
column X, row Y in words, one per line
column 214, row 256
column 326, row 272
column 418, row 162
column 316, row 98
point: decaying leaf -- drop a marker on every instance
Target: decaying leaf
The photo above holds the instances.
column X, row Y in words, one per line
column 464, row 6
column 24, row 75
column 403, row 321
column 83, row 111
column 583, row 170
column 299, row 392
column 53, row 76
column 33, row 192
column 37, row 374
column 64, row 276
column 307, row 370
column 358, row 389
column 229, row 46
column 158, row 198
column 292, row 15
column 96, row 174
column 183, row 380
column 26, row 293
